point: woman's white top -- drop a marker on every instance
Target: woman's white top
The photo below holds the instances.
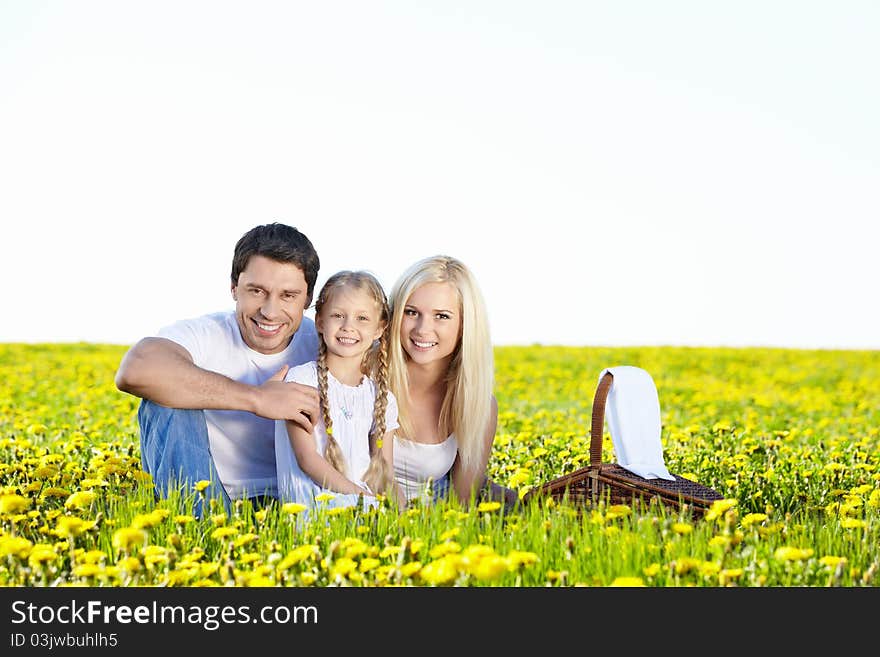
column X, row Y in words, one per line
column 419, row 468
column 351, row 411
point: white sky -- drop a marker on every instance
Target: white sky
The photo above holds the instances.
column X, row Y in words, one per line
column 690, row 173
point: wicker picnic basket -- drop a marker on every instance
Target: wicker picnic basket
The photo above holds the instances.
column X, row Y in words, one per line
column 616, row 485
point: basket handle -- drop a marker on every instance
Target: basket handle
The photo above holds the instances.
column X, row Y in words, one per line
column 599, row 419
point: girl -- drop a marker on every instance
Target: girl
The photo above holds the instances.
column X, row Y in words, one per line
column 349, row 454
column 442, row 377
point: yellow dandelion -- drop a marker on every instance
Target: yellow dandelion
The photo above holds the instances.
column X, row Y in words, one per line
column 208, row 569
column 517, row 558
column 682, row 528
column 709, row 568
column 728, row 575
column 245, row 539
column 46, row 471
column 128, row 538
column 719, row 508
column 792, row 554
column 92, row 483
column 369, row 564
column 93, row 556
column 42, row 553
column 831, row 561
column 685, row 565
column 54, row 491
column 307, row 579
column 488, row 507
column 15, row 546
column 390, row 551
column 450, row 533
column 155, row 554
column 297, row 555
column 518, row 478
column 80, row 500
column 10, row 504
column 223, row 532
column 293, row 508
column 87, row 570
column 473, row 553
column 68, row 526
column 440, row 571
column 249, row 557
column 342, row 567
column 651, row 571
column 628, row 581
column 411, row 568
column 719, row 541
column 618, row 511
column 489, row 567
column 442, row 549
column 753, row 519
column 324, row 497
column 201, row 485
column 852, row 523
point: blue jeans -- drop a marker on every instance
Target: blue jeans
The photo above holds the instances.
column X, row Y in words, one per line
column 176, row 453
column 440, row 488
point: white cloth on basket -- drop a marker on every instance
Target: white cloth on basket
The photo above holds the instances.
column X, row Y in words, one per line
column 633, row 412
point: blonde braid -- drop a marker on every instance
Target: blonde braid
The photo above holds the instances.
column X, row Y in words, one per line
column 333, row 452
column 379, row 474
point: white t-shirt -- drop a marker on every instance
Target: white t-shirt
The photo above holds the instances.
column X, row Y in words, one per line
column 242, row 444
column 351, row 411
column 416, row 464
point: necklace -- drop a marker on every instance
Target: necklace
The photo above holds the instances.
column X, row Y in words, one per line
column 347, row 397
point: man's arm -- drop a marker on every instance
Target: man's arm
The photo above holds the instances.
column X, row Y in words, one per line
column 164, row 372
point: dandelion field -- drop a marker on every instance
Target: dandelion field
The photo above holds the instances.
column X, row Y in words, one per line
column 789, row 437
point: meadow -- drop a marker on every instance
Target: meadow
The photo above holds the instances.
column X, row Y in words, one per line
column 788, row 437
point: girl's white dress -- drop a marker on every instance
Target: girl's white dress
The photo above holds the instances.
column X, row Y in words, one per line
column 351, row 411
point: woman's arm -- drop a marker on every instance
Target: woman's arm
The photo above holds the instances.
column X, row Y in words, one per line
column 315, row 465
column 388, row 456
column 468, row 482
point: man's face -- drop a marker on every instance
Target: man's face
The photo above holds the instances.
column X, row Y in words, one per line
column 269, row 301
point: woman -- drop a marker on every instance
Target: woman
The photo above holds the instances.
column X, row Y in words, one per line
column 442, row 374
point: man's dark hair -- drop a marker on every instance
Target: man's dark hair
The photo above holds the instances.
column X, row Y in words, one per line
column 280, row 243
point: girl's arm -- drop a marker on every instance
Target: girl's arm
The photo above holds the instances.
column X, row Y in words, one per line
column 315, row 465
column 468, row 482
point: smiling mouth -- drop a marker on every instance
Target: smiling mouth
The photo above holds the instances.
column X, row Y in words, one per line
column 269, row 329
column 423, row 345
column 347, row 341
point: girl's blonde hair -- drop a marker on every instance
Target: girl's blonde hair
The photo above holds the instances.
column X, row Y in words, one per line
column 467, row 404
column 378, row 475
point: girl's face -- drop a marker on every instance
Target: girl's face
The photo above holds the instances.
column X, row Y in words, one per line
column 349, row 322
column 431, row 326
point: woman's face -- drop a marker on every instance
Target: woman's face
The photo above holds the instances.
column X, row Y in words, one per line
column 431, row 325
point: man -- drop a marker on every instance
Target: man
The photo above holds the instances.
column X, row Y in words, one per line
column 211, row 387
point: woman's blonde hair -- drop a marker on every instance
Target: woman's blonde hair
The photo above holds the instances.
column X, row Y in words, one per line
column 378, row 475
column 467, row 404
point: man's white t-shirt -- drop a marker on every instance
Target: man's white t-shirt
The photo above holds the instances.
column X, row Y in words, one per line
column 242, row 444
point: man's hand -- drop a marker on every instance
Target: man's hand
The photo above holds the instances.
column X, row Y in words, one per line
column 278, row 399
